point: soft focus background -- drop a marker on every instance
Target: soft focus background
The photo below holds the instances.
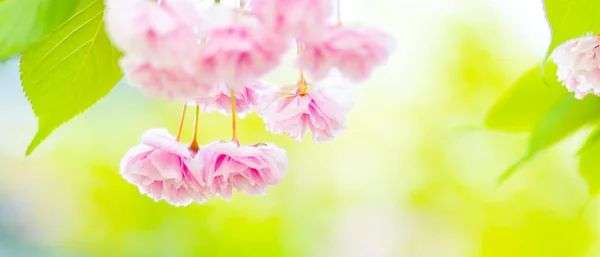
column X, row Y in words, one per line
column 413, row 175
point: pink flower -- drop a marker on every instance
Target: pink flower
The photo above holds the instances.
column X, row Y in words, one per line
column 355, row 52
column 294, row 18
column 578, row 64
column 174, row 83
column 245, row 99
column 162, row 168
column 322, row 110
column 237, row 49
column 164, row 34
column 244, row 168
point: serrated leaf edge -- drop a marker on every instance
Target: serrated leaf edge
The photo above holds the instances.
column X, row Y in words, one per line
column 39, row 136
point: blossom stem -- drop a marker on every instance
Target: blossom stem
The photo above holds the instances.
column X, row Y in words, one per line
column 181, row 121
column 233, row 118
column 301, row 81
column 194, row 145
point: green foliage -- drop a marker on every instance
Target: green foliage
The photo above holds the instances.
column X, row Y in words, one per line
column 550, row 113
column 569, row 19
column 589, row 164
column 70, row 70
column 514, row 111
column 591, row 141
column 25, row 22
column 564, row 119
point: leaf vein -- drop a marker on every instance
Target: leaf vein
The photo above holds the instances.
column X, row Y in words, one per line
column 88, row 52
column 41, row 60
column 61, row 61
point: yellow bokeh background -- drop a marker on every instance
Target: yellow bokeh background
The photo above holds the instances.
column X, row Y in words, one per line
column 413, row 175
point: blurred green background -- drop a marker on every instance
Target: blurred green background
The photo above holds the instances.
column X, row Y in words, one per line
column 413, row 175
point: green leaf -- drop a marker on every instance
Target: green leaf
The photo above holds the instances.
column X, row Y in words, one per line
column 70, row 70
column 589, row 167
column 592, row 139
column 25, row 22
column 513, row 168
column 563, row 120
column 570, row 19
column 526, row 102
column 567, row 117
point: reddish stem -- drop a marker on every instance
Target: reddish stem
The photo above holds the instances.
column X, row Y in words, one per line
column 233, row 119
column 194, row 147
column 301, row 81
column 181, row 121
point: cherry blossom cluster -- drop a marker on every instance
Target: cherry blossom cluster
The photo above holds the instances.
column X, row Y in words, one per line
column 578, row 63
column 215, row 57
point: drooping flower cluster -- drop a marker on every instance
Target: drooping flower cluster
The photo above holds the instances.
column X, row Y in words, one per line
column 578, row 63
column 166, row 169
column 321, row 109
column 216, row 57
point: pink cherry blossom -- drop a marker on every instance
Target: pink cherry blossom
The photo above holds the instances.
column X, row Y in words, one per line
column 294, row 18
column 244, row 168
column 164, row 34
column 578, row 63
column 236, row 48
column 322, row 110
column 245, row 99
column 162, row 168
column 355, row 52
column 173, row 83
